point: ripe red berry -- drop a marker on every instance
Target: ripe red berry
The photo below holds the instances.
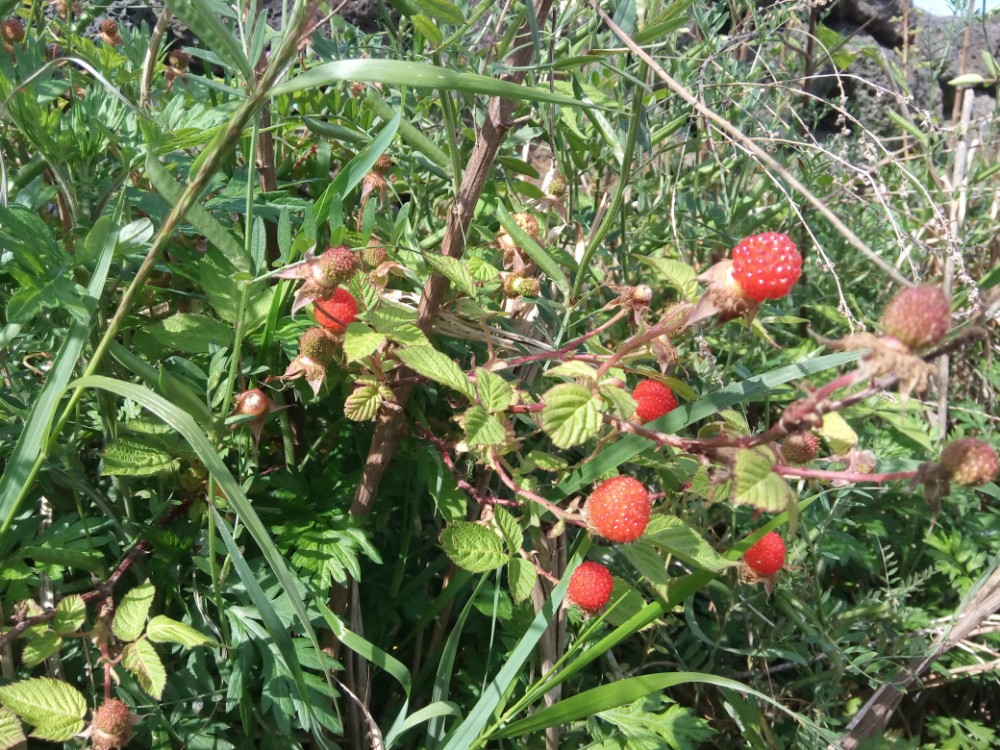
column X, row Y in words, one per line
column 590, row 586
column 800, row 448
column 919, row 317
column 766, row 266
column 767, row 556
column 619, row 509
column 111, row 727
column 653, row 400
column 337, row 311
column 970, row 462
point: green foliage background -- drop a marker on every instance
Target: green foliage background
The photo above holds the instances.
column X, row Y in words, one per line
column 117, row 398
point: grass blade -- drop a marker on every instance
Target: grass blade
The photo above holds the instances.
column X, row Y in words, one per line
column 417, row 75
column 30, row 447
column 185, row 425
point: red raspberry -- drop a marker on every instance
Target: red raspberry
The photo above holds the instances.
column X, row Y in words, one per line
column 619, row 509
column 590, row 586
column 800, row 448
column 919, row 317
column 970, row 462
column 767, row 556
column 653, row 400
column 766, row 266
column 337, row 311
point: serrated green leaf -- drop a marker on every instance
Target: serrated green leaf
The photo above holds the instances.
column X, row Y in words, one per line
column 438, row 366
column 162, row 629
column 473, row 547
column 510, row 527
column 673, row 536
column 574, row 369
column 11, row 733
column 366, row 399
column 455, row 271
column 70, row 614
column 521, row 577
column 680, row 276
column 132, row 611
column 482, row 428
column 53, row 707
column 141, row 659
column 495, row 393
column 755, row 484
column 137, row 456
column 360, row 341
column 839, row 435
column 571, row 415
column 736, row 421
column 40, row 648
column 481, row 270
column 188, row 332
column 407, row 334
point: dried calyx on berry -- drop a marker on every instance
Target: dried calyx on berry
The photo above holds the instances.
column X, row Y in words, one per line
column 917, row 317
column 512, row 256
column 111, row 727
column 317, row 348
column 800, row 448
column 11, row 32
column 322, row 274
column 518, row 285
column 763, row 266
column 109, row 32
column 257, row 405
column 590, row 586
column 970, row 462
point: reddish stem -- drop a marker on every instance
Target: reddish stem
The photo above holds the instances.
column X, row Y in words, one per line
column 551, row 507
column 559, row 353
column 845, row 476
column 463, row 485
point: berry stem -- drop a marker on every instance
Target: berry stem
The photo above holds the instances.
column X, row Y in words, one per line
column 563, row 351
column 535, row 498
column 465, row 486
column 844, row 476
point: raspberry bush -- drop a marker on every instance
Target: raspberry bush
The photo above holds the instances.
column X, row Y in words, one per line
column 459, row 379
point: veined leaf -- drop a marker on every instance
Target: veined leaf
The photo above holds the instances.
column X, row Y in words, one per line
column 141, row 659
column 473, row 547
column 132, row 611
column 438, row 366
column 571, row 415
column 53, row 707
column 162, row 629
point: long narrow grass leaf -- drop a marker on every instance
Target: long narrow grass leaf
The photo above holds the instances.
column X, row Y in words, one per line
column 417, row 75
column 182, row 422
